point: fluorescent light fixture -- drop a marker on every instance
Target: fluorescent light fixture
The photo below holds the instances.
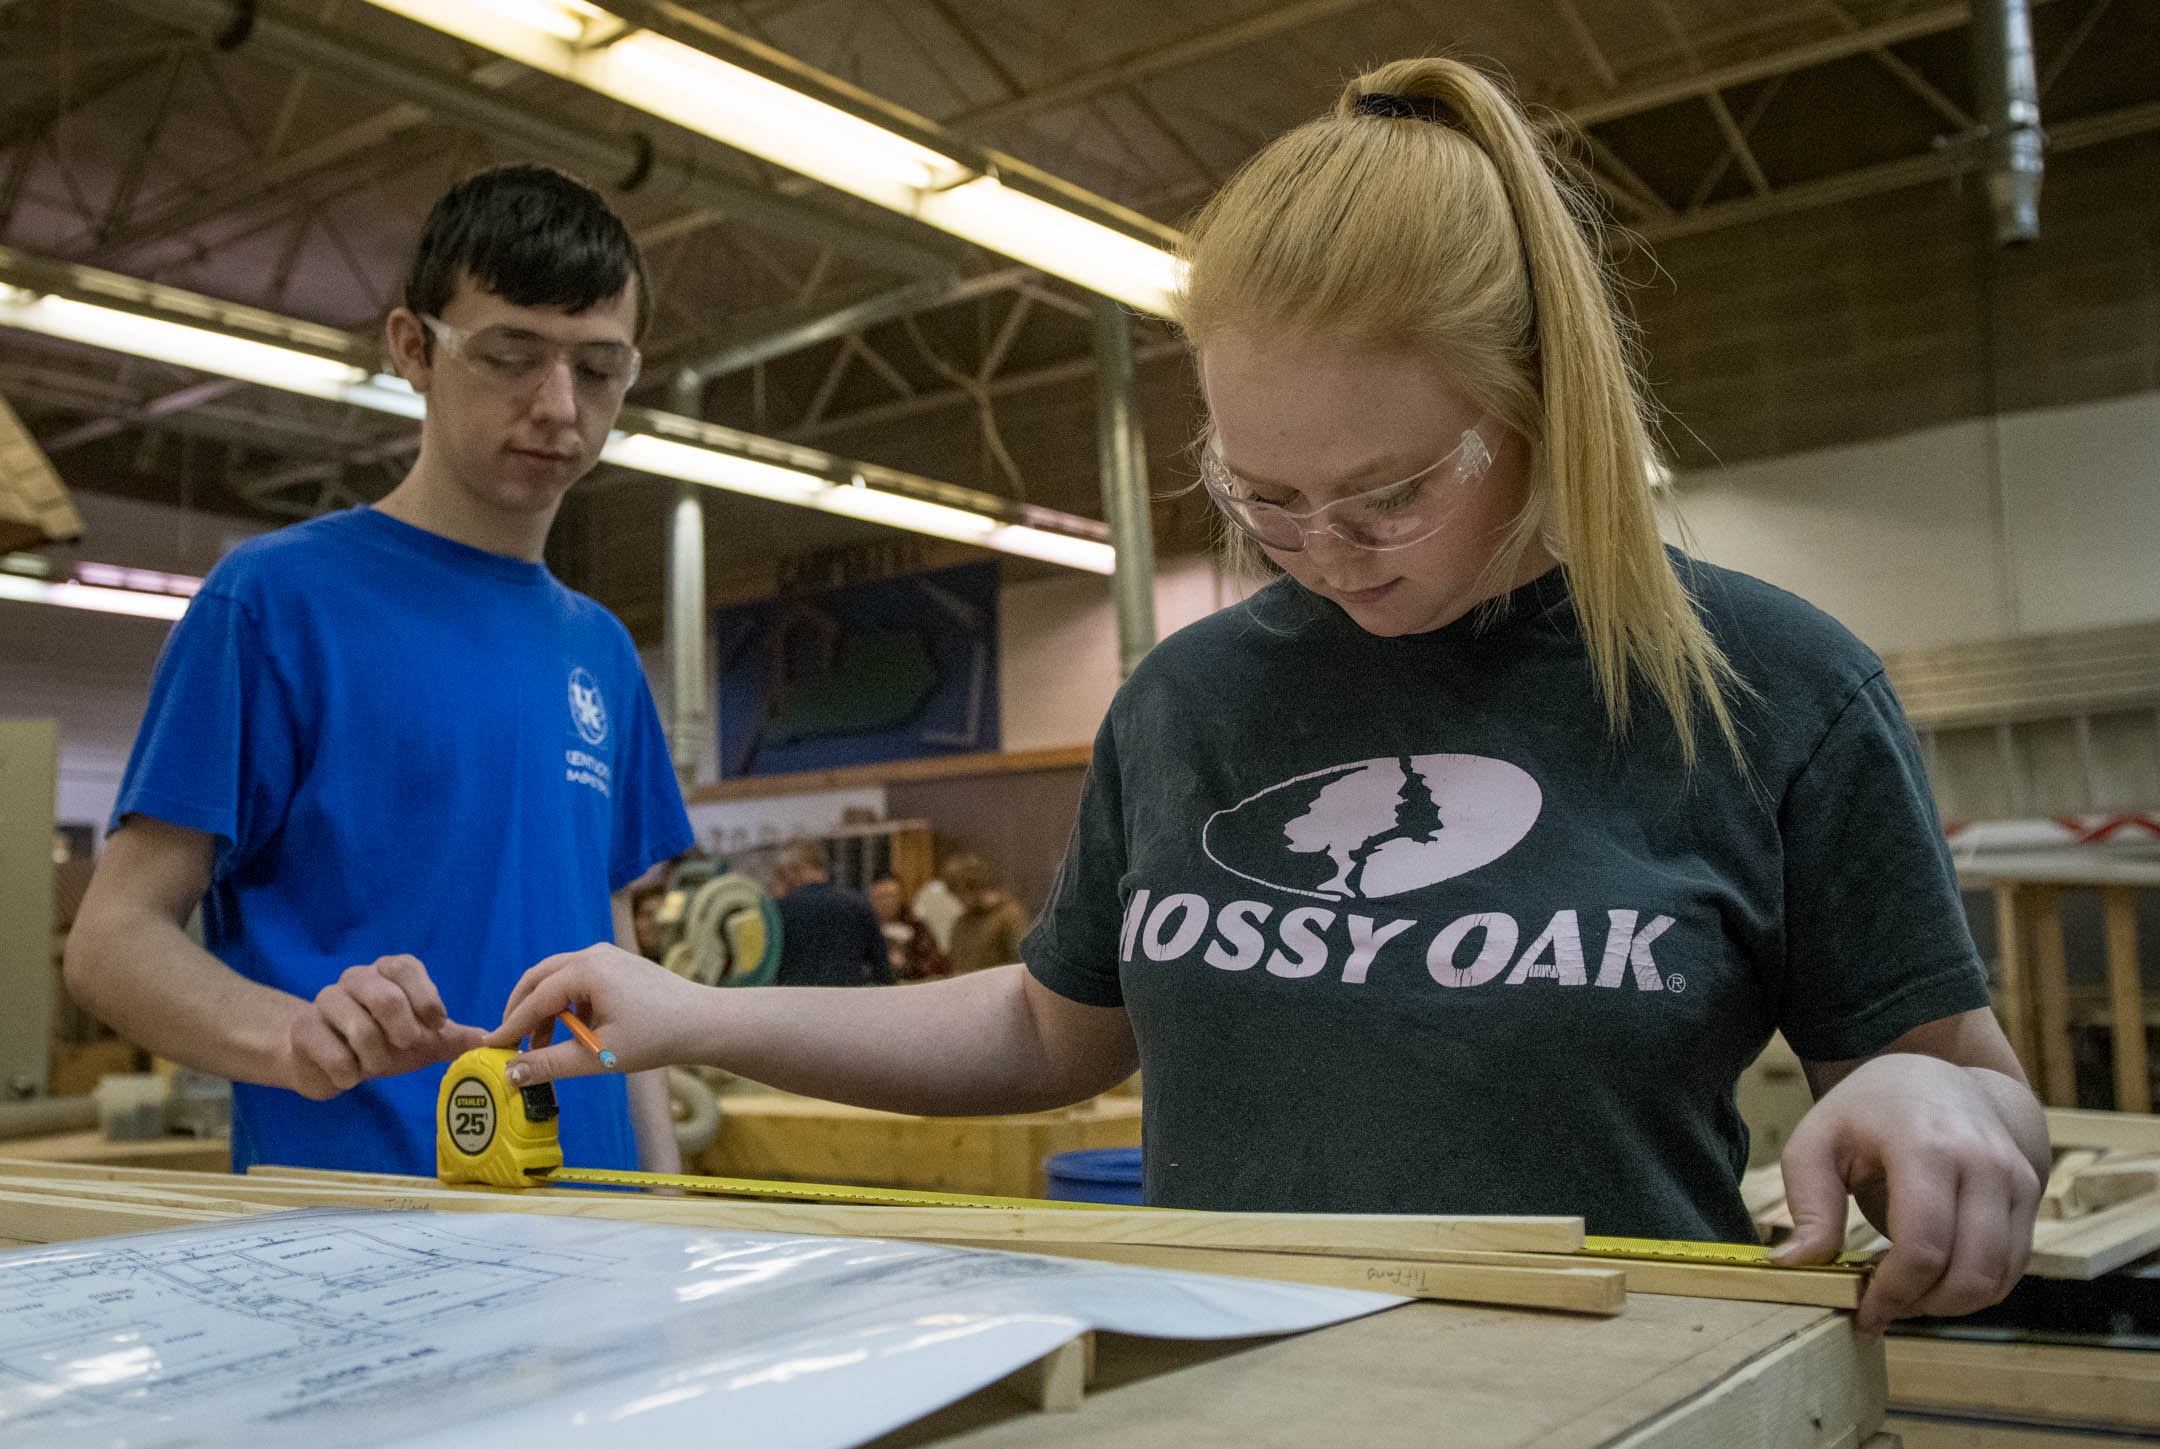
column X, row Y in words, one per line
column 70, row 594
column 859, row 500
column 1054, row 240
column 142, row 581
column 177, row 343
column 749, row 112
column 792, row 128
column 205, row 350
column 690, row 463
column 1093, row 555
column 293, row 370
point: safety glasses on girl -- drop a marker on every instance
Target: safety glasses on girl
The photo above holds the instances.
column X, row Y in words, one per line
column 1394, row 515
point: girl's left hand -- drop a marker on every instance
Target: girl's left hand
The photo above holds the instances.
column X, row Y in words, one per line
column 1918, row 1141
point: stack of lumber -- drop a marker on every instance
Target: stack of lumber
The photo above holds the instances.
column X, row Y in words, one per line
column 1968, row 1393
column 1521, row 1262
column 2100, row 1208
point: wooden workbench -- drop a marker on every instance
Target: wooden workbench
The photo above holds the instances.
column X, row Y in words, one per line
column 1670, row 1373
column 801, row 1139
column 1665, row 1373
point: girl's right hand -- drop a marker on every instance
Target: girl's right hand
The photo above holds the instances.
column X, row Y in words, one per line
column 641, row 1012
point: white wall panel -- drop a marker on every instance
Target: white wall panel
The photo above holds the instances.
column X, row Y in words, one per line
column 1058, row 638
column 2084, row 505
column 1894, row 537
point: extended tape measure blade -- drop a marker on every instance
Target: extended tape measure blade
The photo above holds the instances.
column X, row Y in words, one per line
column 1734, row 1255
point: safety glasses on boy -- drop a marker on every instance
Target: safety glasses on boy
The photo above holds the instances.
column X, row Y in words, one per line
column 514, row 361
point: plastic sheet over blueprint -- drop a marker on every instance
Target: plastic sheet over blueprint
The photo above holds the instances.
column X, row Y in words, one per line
column 329, row 1328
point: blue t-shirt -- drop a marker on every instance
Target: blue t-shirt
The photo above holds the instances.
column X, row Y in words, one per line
column 404, row 745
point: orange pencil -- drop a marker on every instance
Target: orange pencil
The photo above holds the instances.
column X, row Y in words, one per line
column 584, row 1034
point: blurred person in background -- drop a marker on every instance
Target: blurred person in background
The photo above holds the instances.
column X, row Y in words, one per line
column 937, row 907
column 910, row 947
column 829, row 936
column 991, row 923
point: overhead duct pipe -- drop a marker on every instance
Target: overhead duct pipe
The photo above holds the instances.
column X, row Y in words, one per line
column 2009, row 95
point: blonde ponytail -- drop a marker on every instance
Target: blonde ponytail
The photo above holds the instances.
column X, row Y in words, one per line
column 1429, row 211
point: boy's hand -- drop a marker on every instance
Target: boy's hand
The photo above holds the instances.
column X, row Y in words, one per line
column 376, row 1020
column 641, row 1012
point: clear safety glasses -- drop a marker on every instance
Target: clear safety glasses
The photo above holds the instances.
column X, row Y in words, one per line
column 514, row 361
column 1394, row 515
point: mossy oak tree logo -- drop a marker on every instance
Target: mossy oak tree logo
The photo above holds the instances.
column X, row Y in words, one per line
column 1377, row 828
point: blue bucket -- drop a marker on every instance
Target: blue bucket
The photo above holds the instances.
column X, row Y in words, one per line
column 1098, row 1174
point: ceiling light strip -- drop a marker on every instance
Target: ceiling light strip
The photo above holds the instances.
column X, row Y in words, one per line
column 70, row 594
column 931, row 175
column 835, row 488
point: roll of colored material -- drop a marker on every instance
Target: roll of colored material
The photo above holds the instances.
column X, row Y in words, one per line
column 1097, row 1174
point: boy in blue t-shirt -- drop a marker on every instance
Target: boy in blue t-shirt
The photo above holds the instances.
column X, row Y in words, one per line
column 394, row 760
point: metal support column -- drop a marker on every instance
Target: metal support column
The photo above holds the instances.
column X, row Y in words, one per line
column 1122, row 458
column 689, row 714
column 689, row 717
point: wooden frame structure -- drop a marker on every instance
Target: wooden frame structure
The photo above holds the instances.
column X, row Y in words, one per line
column 2035, row 982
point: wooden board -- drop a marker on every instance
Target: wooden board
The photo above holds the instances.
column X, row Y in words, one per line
column 195, row 1154
column 1553, row 1282
column 2051, row 998
column 2115, row 1131
column 2048, row 1384
column 1685, row 1280
column 2099, row 1242
column 1919, row 1433
column 2126, row 1000
column 991, row 1227
column 32, row 1218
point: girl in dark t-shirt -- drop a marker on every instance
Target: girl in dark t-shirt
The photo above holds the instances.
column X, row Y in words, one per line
column 1463, row 868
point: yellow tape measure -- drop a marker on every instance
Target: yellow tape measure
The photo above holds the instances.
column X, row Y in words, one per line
column 1735, row 1255
column 489, row 1133
column 495, row 1135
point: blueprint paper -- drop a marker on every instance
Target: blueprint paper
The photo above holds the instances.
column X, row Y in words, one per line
column 329, row 1328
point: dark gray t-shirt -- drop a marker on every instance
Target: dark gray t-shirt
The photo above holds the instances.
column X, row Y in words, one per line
column 1401, row 929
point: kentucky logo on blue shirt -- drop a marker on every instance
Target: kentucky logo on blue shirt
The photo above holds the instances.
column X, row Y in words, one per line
column 587, row 710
